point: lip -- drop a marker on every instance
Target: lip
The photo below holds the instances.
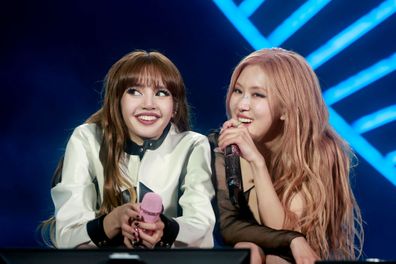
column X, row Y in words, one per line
column 239, row 116
column 147, row 118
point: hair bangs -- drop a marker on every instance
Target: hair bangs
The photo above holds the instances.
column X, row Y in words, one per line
column 150, row 71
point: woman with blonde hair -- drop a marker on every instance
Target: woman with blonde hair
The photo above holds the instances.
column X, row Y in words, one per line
column 295, row 168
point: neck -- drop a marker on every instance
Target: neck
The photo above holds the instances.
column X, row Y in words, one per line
column 137, row 140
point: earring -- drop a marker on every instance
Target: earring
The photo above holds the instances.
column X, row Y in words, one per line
column 283, row 117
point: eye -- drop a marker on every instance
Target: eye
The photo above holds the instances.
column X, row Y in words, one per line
column 259, row 95
column 133, row 91
column 162, row 92
column 237, row 90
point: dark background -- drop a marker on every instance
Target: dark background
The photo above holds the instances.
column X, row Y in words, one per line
column 55, row 54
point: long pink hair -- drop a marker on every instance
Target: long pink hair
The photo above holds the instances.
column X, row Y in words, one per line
column 308, row 157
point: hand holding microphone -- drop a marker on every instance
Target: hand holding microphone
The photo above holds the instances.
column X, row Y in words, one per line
column 229, row 135
column 149, row 211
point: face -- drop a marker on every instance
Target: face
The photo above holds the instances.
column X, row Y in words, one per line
column 249, row 102
column 146, row 111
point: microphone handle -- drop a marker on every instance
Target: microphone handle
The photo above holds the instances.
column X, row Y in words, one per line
column 233, row 173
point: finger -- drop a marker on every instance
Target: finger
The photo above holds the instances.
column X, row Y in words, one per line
column 231, row 139
column 128, row 235
column 132, row 212
column 231, row 123
column 128, row 230
column 127, row 243
column 147, row 226
column 151, row 239
column 160, row 225
column 135, row 207
column 241, row 133
column 234, row 130
column 148, row 245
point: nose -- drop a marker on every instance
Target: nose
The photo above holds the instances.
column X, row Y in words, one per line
column 148, row 101
column 244, row 103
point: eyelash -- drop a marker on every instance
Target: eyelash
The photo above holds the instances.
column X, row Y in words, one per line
column 161, row 92
column 133, row 91
column 239, row 91
column 165, row 92
column 259, row 95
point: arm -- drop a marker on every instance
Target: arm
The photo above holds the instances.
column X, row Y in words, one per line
column 75, row 196
column 197, row 220
column 270, row 208
column 237, row 225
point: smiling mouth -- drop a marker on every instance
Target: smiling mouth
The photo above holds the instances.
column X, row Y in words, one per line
column 147, row 117
column 244, row 120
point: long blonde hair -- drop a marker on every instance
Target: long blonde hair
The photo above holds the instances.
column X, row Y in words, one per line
column 135, row 68
column 309, row 157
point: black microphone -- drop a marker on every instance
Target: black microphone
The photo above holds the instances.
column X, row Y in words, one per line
column 233, row 173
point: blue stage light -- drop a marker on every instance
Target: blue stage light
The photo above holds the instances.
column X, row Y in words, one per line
column 239, row 18
column 351, row 33
column 391, row 157
column 248, row 7
column 375, row 120
column 360, row 80
column 294, row 22
column 242, row 24
column 361, row 146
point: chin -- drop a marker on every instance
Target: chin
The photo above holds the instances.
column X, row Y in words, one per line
column 150, row 136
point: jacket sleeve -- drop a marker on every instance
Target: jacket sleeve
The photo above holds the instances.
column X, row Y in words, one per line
column 197, row 219
column 74, row 196
column 238, row 224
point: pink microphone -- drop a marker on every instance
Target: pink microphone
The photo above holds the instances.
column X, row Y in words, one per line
column 151, row 207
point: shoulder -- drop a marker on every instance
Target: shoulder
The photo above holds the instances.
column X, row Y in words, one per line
column 194, row 136
column 187, row 137
column 86, row 130
column 86, row 135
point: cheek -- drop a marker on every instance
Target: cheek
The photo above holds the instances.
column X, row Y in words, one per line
column 262, row 110
column 167, row 107
column 124, row 107
column 129, row 104
column 233, row 103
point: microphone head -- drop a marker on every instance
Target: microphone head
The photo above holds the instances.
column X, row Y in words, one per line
column 151, row 207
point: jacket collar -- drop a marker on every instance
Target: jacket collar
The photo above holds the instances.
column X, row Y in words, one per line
column 134, row 149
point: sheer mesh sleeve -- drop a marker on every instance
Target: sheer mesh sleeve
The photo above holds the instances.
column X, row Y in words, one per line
column 238, row 224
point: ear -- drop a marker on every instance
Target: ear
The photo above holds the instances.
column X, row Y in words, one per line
column 174, row 110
